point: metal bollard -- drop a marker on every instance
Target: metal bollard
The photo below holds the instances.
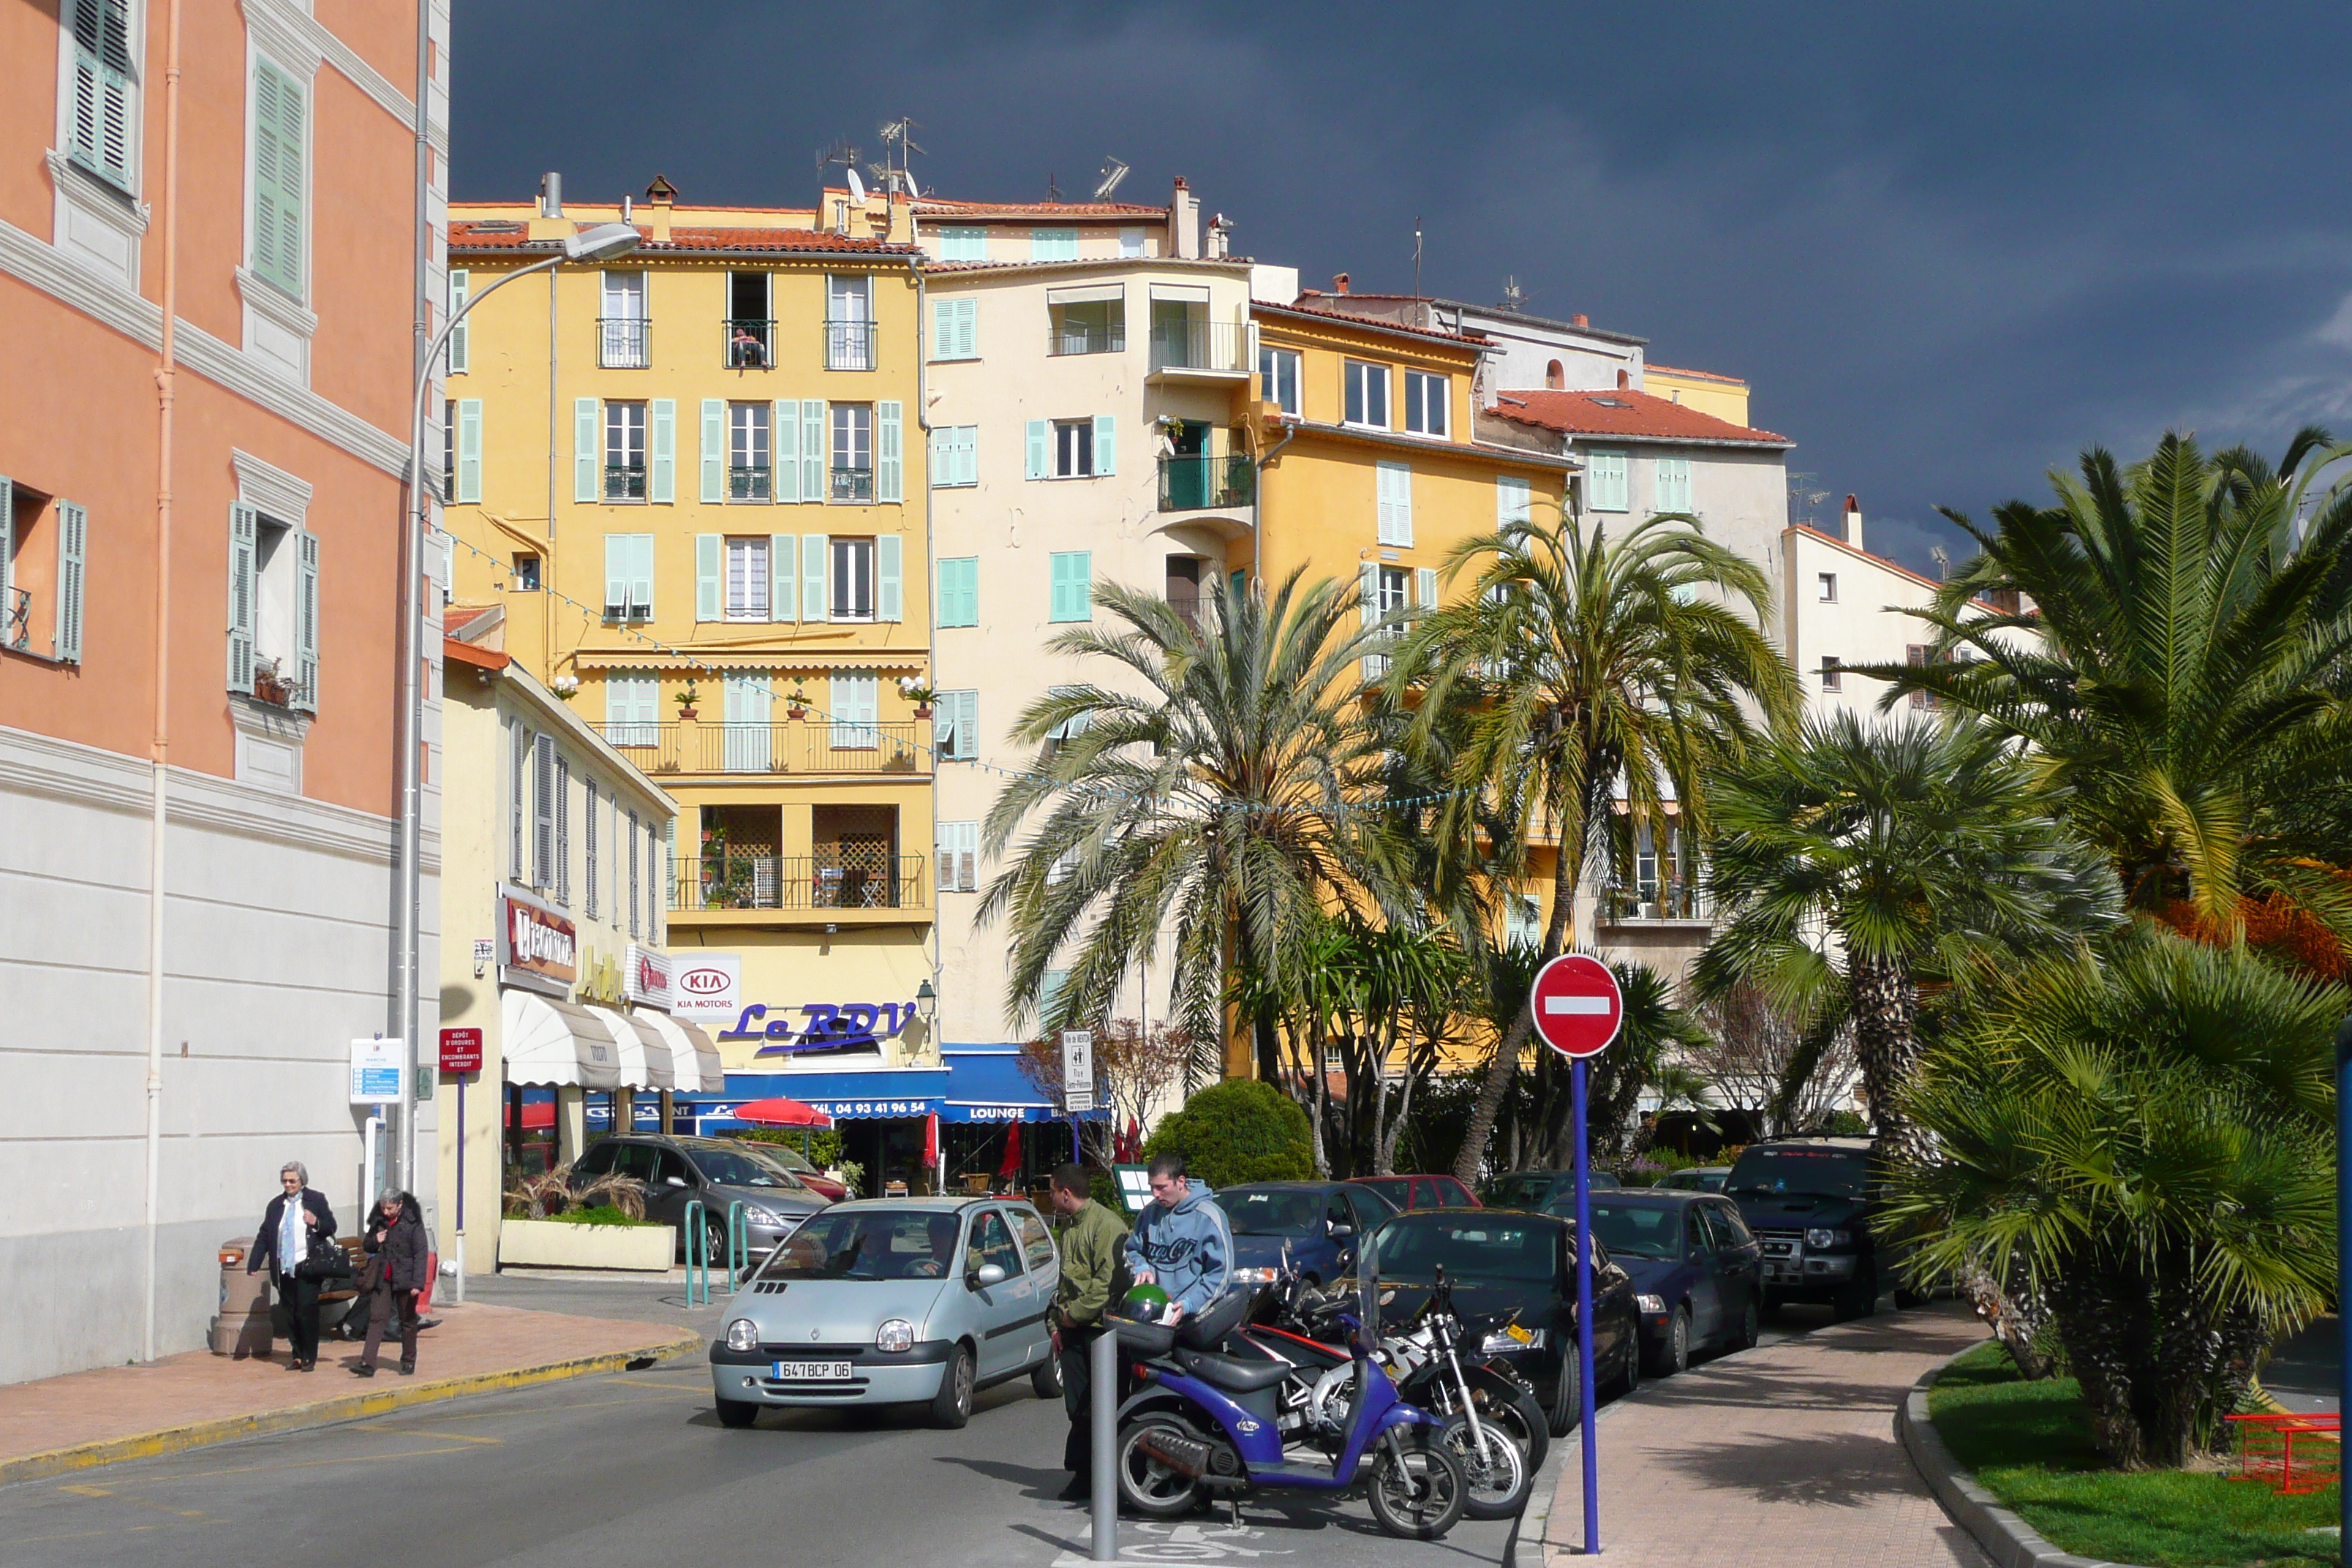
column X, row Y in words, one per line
column 698, row 1253
column 1102, row 1362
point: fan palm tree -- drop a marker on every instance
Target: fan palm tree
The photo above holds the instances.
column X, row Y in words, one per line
column 1848, row 859
column 2174, row 639
column 1224, row 803
column 1582, row 666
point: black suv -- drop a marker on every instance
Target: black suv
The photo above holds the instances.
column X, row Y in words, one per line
column 1811, row 1201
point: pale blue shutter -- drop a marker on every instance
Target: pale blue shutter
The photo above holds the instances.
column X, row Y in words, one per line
column 102, row 130
column 783, row 576
column 663, row 485
column 816, row 556
column 968, row 455
column 889, row 455
column 73, row 548
column 813, row 480
column 1512, row 503
column 459, row 360
column 587, row 449
column 469, row 449
column 1072, row 583
column 1106, row 444
column 1041, row 449
column 747, row 715
column 714, row 451
column 616, row 576
column 306, row 623
column 1395, row 483
column 788, row 453
column 244, row 539
column 278, row 177
column 641, row 576
column 709, row 603
column 889, row 581
column 1368, row 611
column 1424, row 586
column 958, row 604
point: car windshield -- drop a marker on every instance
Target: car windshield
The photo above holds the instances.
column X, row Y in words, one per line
column 1273, row 1211
column 1392, row 1189
column 873, row 1245
column 1471, row 1245
column 742, row 1168
column 1521, row 1192
column 1645, row 1230
column 1800, row 1173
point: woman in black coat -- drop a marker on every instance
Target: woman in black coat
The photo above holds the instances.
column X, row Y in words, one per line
column 295, row 1217
column 397, row 1265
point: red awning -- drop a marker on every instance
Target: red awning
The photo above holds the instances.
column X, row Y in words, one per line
column 781, row 1113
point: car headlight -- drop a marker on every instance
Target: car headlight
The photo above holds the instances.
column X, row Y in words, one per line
column 754, row 1214
column 898, row 1334
column 1651, row 1303
column 1828, row 1238
column 742, row 1334
column 1256, row 1276
column 1503, row 1341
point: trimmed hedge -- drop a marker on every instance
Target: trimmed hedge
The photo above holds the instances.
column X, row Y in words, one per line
column 1242, row 1129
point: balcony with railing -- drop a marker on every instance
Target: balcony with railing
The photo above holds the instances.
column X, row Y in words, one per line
column 849, row 346
column 1202, row 481
column 841, row 882
column 1197, row 350
column 748, row 342
column 1076, row 335
column 654, row 748
column 746, row 482
column 852, row 484
column 623, row 342
column 1658, row 899
column 624, row 482
column 814, row 747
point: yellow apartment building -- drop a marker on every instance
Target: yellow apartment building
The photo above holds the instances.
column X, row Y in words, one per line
column 693, row 486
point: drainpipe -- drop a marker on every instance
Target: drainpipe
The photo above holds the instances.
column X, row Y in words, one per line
column 406, row 1011
column 930, row 572
column 166, row 381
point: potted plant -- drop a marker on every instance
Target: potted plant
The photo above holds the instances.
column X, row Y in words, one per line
column 685, row 701
column 269, row 685
column 796, row 705
column 912, row 687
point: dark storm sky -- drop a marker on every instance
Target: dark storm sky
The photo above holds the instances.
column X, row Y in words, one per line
column 1949, row 245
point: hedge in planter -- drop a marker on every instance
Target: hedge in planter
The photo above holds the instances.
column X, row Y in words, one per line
column 1243, row 1129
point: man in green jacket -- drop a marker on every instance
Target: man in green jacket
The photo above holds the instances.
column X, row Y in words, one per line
column 1094, row 1243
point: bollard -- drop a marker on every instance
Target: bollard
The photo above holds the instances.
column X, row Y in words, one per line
column 1102, row 1362
column 698, row 1251
column 738, row 1246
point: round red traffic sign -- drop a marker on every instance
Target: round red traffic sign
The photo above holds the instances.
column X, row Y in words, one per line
column 1577, row 1006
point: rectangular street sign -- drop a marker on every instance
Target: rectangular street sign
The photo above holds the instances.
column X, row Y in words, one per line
column 375, row 1071
column 461, row 1050
column 1077, row 1071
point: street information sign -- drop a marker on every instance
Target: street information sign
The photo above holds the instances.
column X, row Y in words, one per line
column 1578, row 1005
column 377, row 1071
column 461, row 1050
column 1077, row 1071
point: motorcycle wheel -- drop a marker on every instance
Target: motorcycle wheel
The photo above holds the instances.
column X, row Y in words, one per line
column 1149, row 1487
column 1521, row 1418
column 1422, row 1498
column 1494, row 1486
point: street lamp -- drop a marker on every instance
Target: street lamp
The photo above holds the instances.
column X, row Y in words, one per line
column 602, row 243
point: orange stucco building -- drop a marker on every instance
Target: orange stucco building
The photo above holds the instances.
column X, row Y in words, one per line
column 220, row 236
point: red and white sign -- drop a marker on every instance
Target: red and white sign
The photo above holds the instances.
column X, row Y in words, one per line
column 534, row 939
column 1577, row 1006
column 645, row 979
column 461, row 1050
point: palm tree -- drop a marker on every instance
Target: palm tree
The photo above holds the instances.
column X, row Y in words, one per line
column 2173, row 639
column 1894, row 850
column 1582, row 666
column 1223, row 803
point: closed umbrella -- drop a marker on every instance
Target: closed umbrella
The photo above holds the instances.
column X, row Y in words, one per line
column 1011, row 1168
column 781, row 1113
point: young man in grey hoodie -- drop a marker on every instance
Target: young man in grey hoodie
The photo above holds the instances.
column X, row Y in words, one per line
column 1181, row 1242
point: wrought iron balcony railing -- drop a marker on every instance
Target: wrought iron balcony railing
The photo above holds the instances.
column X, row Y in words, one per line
column 1195, row 480
column 748, row 342
column 849, row 346
column 623, row 342
column 849, row 879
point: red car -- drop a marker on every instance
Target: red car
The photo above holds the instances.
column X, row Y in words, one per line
column 1421, row 1192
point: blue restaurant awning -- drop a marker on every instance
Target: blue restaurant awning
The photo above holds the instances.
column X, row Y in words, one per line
column 985, row 1085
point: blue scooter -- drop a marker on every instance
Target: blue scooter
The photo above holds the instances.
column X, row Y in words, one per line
column 1202, row 1423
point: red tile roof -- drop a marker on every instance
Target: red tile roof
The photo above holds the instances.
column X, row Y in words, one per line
column 513, row 234
column 1323, row 313
column 1623, row 411
column 934, row 206
column 467, row 653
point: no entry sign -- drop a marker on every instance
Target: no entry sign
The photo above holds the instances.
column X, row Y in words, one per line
column 1577, row 1006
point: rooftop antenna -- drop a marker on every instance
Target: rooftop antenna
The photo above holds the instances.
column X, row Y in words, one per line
column 843, row 151
column 1113, row 171
column 1513, row 297
column 1053, row 191
column 1943, row 560
column 1416, row 256
column 899, row 142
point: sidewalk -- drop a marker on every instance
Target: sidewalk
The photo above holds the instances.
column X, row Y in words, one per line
column 2302, row 1373
column 1781, row 1456
column 85, row 1419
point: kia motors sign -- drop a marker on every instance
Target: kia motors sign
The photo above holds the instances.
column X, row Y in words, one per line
column 645, row 977
column 461, row 1050
column 534, row 939
column 705, row 987
column 1577, row 1004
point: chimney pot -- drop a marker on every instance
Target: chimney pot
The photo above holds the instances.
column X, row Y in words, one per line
column 1853, row 521
column 1339, row 283
column 1624, row 380
column 1181, row 184
column 1579, row 319
column 550, row 195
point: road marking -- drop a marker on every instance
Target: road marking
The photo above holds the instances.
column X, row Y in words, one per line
column 123, row 1529
column 421, row 1432
column 1555, row 1006
column 134, row 1502
column 304, row 1464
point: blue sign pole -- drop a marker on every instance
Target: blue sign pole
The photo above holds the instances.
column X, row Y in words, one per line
column 1584, row 1317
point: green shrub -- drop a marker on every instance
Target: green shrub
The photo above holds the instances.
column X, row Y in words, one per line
column 602, row 1214
column 1242, row 1129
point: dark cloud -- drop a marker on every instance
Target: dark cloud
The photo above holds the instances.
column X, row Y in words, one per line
column 1950, row 247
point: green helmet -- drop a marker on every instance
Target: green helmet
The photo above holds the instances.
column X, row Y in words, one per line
column 1147, row 1304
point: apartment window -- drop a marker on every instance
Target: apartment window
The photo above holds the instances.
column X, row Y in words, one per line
column 747, row 579
column 852, row 451
column 634, row 833
column 1367, row 394
column 856, row 696
column 273, row 591
column 1131, row 242
column 1604, row 481
column 1522, row 920
column 1826, row 584
column 1672, row 478
column 1078, row 325
column 1073, row 448
column 519, row 754
column 628, row 577
column 1919, row 656
column 280, row 191
column 955, row 726
column 955, row 455
column 623, row 330
column 104, row 96
column 522, row 576
column 1053, row 244
column 959, row 855
column 1395, row 497
column 624, row 451
column 563, row 830
column 849, row 323
column 853, row 580
column 1515, row 502
column 542, row 812
column 41, row 578
column 1833, row 673
column 632, row 702
column 958, row 594
column 963, row 243
column 751, row 342
column 1424, row 403
column 1072, row 586
column 1396, row 589
column 588, row 849
column 449, row 449
column 746, row 452
column 955, row 329
column 1277, row 378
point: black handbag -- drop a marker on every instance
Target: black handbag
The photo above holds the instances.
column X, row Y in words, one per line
column 325, row 1260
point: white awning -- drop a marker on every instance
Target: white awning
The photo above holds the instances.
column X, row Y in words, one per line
column 694, row 1060
column 645, row 1054
column 1088, row 293
column 1189, row 293
column 550, row 1043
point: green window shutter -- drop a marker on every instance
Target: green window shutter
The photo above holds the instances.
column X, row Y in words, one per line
column 889, row 454
column 1368, row 609
column 1395, row 505
column 954, row 325
column 1605, row 482
column 1073, row 585
column 244, row 539
column 708, row 549
column 616, row 576
column 714, row 451
column 788, row 457
column 73, row 550
column 959, row 591
column 306, row 623
column 968, row 726
column 469, row 449
column 587, row 450
column 1424, row 586
column 783, row 576
column 1512, row 503
column 1106, row 444
column 102, row 132
column 968, row 328
column 1041, row 449
column 889, row 577
column 279, row 156
column 816, row 559
column 968, row 455
column 1237, row 585
column 662, row 483
column 812, row 480
column 641, row 576
column 458, row 361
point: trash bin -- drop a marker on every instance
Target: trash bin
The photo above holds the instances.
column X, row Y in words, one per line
column 243, row 1327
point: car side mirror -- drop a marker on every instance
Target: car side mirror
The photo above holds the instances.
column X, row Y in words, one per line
column 987, row 1274
column 673, row 1181
column 1341, row 1230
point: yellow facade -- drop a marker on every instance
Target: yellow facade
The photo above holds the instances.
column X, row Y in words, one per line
column 694, row 484
column 1724, row 396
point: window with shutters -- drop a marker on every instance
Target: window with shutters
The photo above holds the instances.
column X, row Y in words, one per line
column 962, row 243
column 1394, row 497
column 457, row 353
column 1424, row 403
column 853, row 452
column 1604, row 480
column 635, row 890
column 1277, row 378
column 854, row 697
column 959, row 595
column 1671, row 479
column 628, row 577
column 955, row 455
column 624, row 334
column 955, row 726
column 955, row 329
column 746, row 452
column 624, row 451
column 519, row 753
column 1072, row 586
column 1073, row 448
column 542, row 812
column 1919, row 656
column 1522, row 920
column 959, row 846
column 1514, row 502
column 631, row 708
column 852, row 596
column 849, row 323
column 1367, row 386
column 448, row 450
column 588, row 863
column 44, row 549
column 273, row 592
column 563, row 830
column 281, row 157
column 101, row 94
column 747, row 578
column 1053, row 244
column 1396, row 589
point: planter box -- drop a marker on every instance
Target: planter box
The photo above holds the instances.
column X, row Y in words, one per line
column 553, row 1244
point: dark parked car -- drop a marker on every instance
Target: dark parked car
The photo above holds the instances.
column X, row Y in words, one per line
column 1812, row 1203
column 1536, row 1189
column 717, row 1171
column 1410, row 1193
column 1314, row 1227
column 1504, row 1262
column 1698, row 1274
column 1697, row 1179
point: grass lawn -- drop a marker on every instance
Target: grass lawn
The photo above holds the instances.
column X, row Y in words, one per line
column 2030, row 1446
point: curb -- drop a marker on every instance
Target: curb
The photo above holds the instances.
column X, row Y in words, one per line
column 327, row 1413
column 2006, row 1540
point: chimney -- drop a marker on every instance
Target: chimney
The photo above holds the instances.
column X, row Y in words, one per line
column 1624, row 379
column 1184, row 220
column 1854, row 522
column 549, row 223
column 1579, row 321
column 661, row 195
column 1339, row 283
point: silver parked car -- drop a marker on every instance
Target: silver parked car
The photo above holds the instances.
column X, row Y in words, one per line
column 719, row 1173
column 894, row 1302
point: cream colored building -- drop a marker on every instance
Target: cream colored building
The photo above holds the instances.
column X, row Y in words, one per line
column 1842, row 606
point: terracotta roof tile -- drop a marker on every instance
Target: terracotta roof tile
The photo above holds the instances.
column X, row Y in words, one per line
column 1314, row 312
column 1623, row 411
column 512, row 234
column 452, row 650
column 933, row 206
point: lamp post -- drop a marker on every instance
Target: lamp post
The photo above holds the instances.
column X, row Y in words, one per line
column 602, row 243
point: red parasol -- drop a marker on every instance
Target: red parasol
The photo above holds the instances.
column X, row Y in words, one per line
column 781, row 1113
column 1012, row 1166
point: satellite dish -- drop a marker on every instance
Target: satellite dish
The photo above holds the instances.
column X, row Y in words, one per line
column 856, row 187
column 1113, row 172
